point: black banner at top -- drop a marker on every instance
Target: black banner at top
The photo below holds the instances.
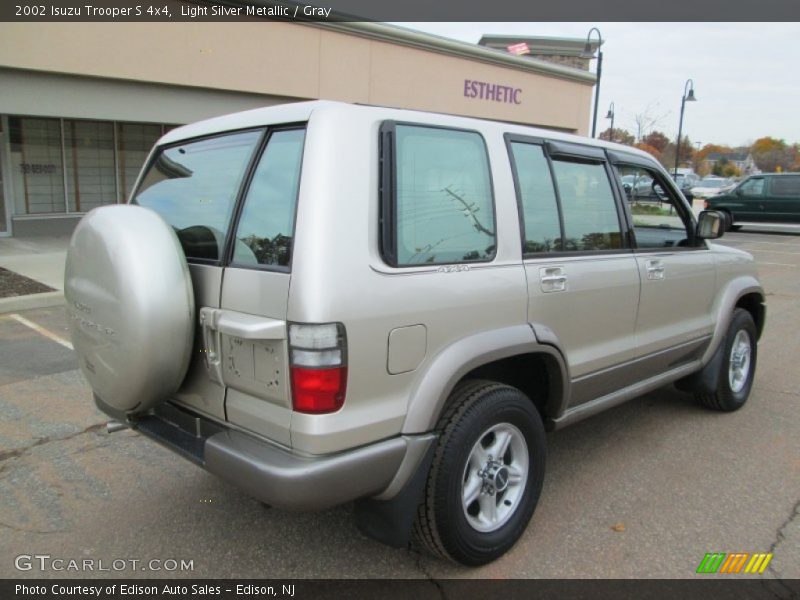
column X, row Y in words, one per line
column 400, row 10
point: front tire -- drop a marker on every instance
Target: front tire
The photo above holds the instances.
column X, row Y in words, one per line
column 738, row 365
column 486, row 476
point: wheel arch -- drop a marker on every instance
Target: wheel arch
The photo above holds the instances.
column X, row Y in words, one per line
column 498, row 355
column 743, row 292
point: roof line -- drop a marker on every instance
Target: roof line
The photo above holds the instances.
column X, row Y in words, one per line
column 425, row 41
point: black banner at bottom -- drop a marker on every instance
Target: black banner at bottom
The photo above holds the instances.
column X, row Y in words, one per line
column 418, row 589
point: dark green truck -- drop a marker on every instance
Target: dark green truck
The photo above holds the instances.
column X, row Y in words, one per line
column 771, row 197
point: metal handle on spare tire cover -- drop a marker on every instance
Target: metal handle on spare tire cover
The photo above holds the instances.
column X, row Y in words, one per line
column 211, row 342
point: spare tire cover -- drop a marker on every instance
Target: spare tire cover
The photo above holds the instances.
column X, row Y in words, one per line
column 130, row 306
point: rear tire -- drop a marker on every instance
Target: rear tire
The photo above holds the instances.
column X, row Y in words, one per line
column 486, row 476
column 737, row 367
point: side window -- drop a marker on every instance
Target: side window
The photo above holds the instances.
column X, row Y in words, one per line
column 591, row 220
column 538, row 197
column 786, row 185
column 443, row 204
column 194, row 185
column 266, row 227
column 753, row 187
column 656, row 220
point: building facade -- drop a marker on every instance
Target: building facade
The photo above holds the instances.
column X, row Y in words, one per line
column 81, row 104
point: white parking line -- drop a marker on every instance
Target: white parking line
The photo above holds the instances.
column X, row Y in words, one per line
column 773, row 251
column 744, row 242
column 41, row 330
column 777, row 264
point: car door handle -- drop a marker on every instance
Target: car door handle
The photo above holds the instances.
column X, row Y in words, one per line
column 209, row 318
column 552, row 279
column 655, row 269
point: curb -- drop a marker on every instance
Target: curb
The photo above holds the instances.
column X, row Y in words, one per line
column 31, row 301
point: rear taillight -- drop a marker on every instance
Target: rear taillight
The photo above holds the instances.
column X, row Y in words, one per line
column 318, row 364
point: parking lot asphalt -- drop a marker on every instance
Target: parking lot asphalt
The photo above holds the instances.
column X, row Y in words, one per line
column 642, row 490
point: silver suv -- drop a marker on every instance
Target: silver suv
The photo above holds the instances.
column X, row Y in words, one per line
column 323, row 303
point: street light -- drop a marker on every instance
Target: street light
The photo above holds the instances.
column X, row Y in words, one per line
column 688, row 96
column 610, row 115
column 589, row 53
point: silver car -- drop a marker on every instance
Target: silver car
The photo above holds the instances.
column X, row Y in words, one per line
column 323, row 303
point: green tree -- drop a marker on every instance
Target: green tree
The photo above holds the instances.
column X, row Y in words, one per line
column 620, row 136
column 770, row 153
column 657, row 140
column 725, row 168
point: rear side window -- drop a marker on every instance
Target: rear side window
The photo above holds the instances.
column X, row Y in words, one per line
column 786, row 186
column 266, row 227
column 538, row 199
column 193, row 186
column 591, row 220
column 441, row 208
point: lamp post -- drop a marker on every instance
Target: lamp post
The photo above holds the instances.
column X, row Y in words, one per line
column 588, row 53
column 610, row 115
column 688, row 96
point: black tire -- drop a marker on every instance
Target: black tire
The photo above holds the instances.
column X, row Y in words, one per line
column 443, row 526
column 727, row 398
column 729, row 226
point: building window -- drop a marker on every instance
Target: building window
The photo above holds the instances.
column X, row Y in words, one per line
column 91, row 174
column 134, row 141
column 37, row 165
column 62, row 166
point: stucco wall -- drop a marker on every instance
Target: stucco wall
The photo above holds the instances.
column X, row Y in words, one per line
column 291, row 61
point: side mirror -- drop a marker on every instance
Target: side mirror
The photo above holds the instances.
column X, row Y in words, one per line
column 738, row 191
column 710, row 225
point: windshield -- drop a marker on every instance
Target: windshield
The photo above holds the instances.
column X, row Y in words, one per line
column 193, row 186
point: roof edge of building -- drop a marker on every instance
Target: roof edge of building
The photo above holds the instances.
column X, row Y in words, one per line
column 426, row 41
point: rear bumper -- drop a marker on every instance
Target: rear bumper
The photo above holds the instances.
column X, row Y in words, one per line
column 277, row 476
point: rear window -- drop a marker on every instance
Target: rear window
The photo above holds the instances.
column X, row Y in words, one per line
column 786, row 186
column 193, row 186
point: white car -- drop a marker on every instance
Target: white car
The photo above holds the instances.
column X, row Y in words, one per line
column 710, row 186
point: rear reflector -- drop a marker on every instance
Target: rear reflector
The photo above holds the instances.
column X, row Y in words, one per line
column 318, row 365
column 318, row 390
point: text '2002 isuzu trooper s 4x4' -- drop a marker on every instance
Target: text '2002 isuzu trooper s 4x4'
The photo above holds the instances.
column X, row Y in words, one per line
column 322, row 303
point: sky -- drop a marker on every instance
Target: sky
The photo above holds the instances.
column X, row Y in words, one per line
column 746, row 75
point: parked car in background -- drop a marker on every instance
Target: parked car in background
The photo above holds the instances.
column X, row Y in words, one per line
column 686, row 181
column 767, row 197
column 710, row 186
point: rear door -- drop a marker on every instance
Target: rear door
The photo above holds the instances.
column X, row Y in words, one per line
column 194, row 185
column 250, row 328
column 583, row 283
column 231, row 200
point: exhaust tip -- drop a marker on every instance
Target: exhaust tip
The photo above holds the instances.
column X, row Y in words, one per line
column 114, row 425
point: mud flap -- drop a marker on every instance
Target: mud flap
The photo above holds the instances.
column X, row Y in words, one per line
column 390, row 521
column 706, row 380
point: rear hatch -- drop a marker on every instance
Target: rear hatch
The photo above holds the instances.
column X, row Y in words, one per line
column 231, row 199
